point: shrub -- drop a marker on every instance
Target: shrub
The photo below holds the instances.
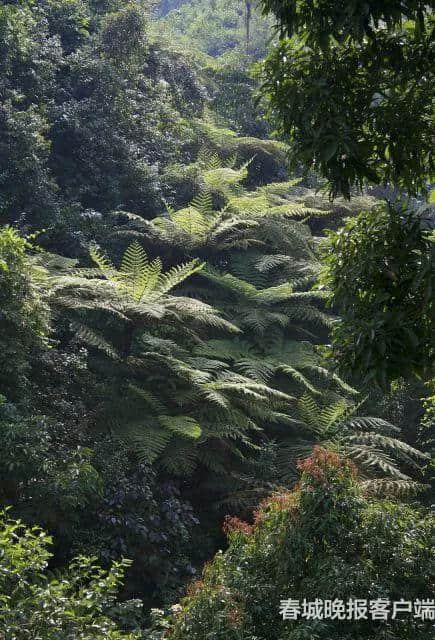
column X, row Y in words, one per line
column 379, row 270
column 23, row 315
column 43, row 606
column 323, row 540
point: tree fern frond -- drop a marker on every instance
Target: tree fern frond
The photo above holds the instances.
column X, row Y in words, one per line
column 208, row 159
column 275, row 294
column 93, row 339
column 392, row 444
column 202, row 203
column 256, row 369
column 184, row 426
column 147, row 441
column 192, row 219
column 368, row 423
column 298, row 377
column 309, row 412
column 103, row 263
column 179, row 458
column 148, row 398
column 369, row 459
column 225, row 349
column 334, row 414
column 387, row 487
column 174, row 276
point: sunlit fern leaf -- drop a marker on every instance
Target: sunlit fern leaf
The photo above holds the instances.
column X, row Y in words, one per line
column 184, row 426
column 203, row 203
column 256, row 369
column 199, row 313
column 231, row 283
column 387, row 487
column 139, row 276
column 370, row 459
column 164, row 345
column 225, row 180
column 293, row 211
column 309, row 412
column 275, row 294
column 173, row 277
column 266, row 262
column 308, row 313
column 298, row 377
column 402, row 449
column 368, row 423
column 103, row 263
column 334, row 414
column 134, row 217
column 93, row 339
column 280, row 188
column 192, row 220
column 208, row 159
column 207, row 364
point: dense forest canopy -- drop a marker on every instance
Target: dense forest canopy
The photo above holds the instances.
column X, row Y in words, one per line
column 203, row 354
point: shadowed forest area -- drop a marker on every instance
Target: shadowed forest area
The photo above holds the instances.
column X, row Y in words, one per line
column 217, row 393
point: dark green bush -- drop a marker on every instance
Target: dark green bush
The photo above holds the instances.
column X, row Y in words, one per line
column 324, row 540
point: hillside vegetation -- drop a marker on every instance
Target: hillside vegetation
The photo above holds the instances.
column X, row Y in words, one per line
column 190, row 327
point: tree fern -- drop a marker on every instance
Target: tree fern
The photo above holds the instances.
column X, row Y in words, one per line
column 358, row 438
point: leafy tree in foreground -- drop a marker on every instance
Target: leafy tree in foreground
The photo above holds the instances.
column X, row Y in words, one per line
column 351, row 85
column 66, row 606
column 379, row 271
column 323, row 540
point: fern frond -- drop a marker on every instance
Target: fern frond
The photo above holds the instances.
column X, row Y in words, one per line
column 192, row 219
column 202, row 203
column 309, row 412
column 371, row 459
column 386, row 487
column 174, row 276
column 184, row 426
column 209, row 160
column 103, row 263
column 368, row 423
column 148, row 398
column 179, row 458
column 298, row 377
column 93, row 339
column 147, row 441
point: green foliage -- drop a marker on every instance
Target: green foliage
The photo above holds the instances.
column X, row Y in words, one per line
column 24, row 315
column 327, row 20
column 186, row 398
column 220, row 27
column 90, row 111
column 262, row 263
column 93, row 496
column 372, row 443
column 34, row 603
column 324, row 540
column 231, row 88
column 350, row 85
column 379, row 272
column 155, row 379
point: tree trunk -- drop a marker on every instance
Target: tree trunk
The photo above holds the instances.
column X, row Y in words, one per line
column 248, row 24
